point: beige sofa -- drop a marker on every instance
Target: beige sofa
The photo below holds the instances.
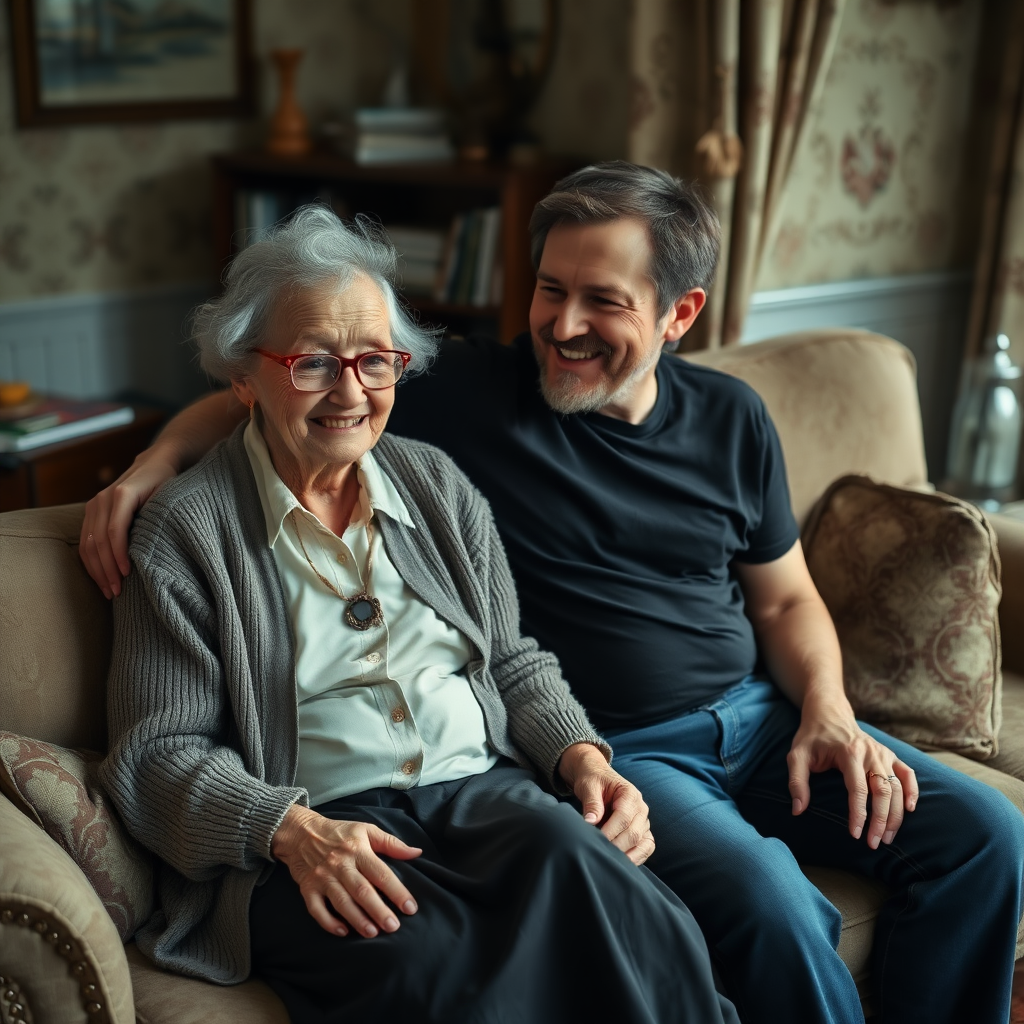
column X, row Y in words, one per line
column 843, row 401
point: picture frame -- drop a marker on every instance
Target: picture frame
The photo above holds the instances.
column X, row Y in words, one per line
column 90, row 62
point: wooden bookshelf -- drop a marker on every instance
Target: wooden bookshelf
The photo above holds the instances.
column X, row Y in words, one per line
column 428, row 195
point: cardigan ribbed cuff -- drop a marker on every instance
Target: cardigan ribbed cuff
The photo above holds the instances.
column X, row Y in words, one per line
column 544, row 732
column 266, row 816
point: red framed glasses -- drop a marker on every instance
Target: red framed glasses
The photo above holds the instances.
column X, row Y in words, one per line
column 320, row 371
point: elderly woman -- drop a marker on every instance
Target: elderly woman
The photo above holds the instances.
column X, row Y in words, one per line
column 323, row 717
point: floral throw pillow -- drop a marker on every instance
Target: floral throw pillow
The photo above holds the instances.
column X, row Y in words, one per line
column 912, row 581
column 57, row 788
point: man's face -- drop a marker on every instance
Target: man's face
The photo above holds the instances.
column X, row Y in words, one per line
column 593, row 319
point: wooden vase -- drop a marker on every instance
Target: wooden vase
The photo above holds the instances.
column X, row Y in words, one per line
column 289, row 129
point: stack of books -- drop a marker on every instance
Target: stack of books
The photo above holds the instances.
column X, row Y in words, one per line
column 398, row 135
column 471, row 270
column 41, row 420
column 420, row 252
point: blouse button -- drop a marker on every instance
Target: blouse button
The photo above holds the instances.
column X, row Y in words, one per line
column 398, row 715
column 373, row 657
column 408, row 768
column 342, row 558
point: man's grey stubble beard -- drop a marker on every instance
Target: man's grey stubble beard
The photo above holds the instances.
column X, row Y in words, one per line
column 568, row 397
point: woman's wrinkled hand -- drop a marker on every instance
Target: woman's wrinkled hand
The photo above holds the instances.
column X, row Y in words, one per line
column 103, row 546
column 608, row 800
column 336, row 865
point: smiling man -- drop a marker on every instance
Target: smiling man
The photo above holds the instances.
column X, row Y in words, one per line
column 644, row 506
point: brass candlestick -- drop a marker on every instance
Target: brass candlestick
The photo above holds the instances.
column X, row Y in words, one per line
column 289, row 129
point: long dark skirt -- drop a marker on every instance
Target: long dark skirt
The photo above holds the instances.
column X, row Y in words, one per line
column 527, row 915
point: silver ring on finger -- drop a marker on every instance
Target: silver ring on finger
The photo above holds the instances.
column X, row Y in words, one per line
column 879, row 775
column 890, row 778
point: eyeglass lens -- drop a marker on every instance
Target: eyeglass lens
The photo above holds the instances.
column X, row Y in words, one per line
column 320, row 372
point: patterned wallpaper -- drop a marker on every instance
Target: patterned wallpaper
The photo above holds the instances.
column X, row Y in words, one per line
column 106, row 208
column 877, row 186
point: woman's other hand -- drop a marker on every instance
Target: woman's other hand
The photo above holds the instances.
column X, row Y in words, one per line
column 336, row 864
column 608, row 800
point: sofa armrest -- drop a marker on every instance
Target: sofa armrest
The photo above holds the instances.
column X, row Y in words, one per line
column 62, row 957
column 1010, row 535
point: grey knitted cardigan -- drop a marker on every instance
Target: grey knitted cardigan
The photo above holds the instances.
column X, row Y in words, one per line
column 201, row 696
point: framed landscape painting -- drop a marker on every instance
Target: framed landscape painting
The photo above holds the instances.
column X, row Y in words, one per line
column 90, row 61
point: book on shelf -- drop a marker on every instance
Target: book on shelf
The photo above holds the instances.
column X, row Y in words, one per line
column 463, row 289
column 486, row 258
column 47, row 420
column 470, row 273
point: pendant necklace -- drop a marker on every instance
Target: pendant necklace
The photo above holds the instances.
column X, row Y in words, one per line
column 363, row 611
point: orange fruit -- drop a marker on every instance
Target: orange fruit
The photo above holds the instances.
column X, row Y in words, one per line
column 13, row 392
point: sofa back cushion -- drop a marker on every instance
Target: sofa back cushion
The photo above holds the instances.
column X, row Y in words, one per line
column 55, row 631
column 843, row 401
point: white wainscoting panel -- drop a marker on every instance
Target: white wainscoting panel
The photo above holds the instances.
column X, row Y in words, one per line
column 926, row 312
column 99, row 345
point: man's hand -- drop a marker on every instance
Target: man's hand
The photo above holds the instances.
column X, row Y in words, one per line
column 335, row 864
column 108, row 517
column 829, row 737
column 608, row 800
column 103, row 545
column 799, row 644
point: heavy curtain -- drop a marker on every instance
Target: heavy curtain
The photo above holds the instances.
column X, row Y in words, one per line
column 722, row 92
column 997, row 304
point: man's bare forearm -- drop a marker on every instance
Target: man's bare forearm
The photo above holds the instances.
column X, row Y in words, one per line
column 198, row 427
column 801, row 651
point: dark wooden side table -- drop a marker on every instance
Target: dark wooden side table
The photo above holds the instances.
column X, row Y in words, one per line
column 74, row 470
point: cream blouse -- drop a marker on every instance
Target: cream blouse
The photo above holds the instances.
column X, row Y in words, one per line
column 387, row 707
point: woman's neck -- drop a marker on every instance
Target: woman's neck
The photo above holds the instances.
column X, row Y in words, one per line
column 333, row 503
column 330, row 492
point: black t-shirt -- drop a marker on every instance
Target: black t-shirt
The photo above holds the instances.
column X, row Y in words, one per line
column 621, row 538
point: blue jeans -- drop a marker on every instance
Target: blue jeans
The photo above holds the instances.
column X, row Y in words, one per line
column 716, row 780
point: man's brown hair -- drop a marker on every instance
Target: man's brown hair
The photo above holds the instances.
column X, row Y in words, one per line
column 682, row 226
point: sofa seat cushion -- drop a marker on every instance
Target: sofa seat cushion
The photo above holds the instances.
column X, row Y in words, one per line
column 1012, row 788
column 859, row 900
column 1010, row 758
column 162, row 998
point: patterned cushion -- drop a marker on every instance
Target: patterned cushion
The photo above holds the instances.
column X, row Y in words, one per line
column 912, row 582
column 58, row 790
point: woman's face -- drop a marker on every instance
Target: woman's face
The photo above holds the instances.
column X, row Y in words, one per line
column 307, row 432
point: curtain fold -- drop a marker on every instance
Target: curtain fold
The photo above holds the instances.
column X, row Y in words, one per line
column 735, row 121
column 997, row 302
